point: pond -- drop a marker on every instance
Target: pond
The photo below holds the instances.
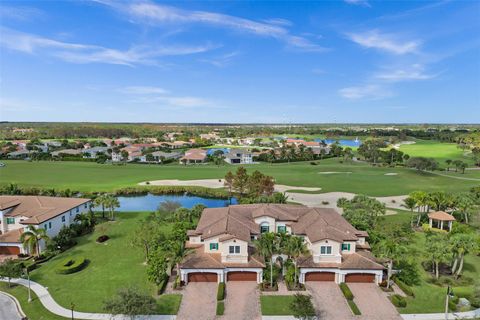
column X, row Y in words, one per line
column 343, row 142
column 150, row 202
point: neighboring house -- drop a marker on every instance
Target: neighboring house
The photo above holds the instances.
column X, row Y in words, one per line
column 224, row 250
column 71, row 152
column 93, row 152
column 20, row 154
column 239, row 156
column 116, row 156
column 209, row 136
column 194, row 156
column 159, row 155
column 18, row 213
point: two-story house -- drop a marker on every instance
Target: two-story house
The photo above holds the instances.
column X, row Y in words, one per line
column 224, row 250
column 18, row 213
column 239, row 156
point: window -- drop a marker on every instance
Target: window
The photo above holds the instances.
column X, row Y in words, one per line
column 234, row 249
column 78, row 209
column 63, row 218
column 85, row 206
column 281, row 229
column 264, row 228
column 45, row 226
column 213, row 246
column 10, row 220
column 345, row 246
column 325, row 250
column 49, row 225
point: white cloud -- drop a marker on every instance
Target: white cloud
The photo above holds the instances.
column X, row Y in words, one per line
column 21, row 13
column 414, row 72
column 223, row 60
column 369, row 91
column 85, row 53
column 153, row 13
column 383, row 41
column 143, row 90
column 358, row 2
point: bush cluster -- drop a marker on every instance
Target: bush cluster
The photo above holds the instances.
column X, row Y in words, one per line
column 406, row 289
column 70, row 265
column 398, row 301
column 159, row 190
column 221, row 291
column 102, row 238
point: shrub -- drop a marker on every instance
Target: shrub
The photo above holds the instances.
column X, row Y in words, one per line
column 346, row 291
column 409, row 274
column 354, row 307
column 162, row 285
column 324, row 202
column 221, row 291
column 102, row 238
column 452, row 305
column 406, row 289
column 302, row 306
column 475, row 298
column 313, row 163
column 220, row 308
column 70, row 265
column 177, row 283
column 398, row 301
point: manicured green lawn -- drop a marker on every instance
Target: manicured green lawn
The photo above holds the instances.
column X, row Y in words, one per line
column 34, row 310
column 352, row 177
column 430, row 298
column 438, row 150
column 113, row 265
column 169, row 303
column 276, row 305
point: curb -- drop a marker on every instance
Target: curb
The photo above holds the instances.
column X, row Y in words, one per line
column 16, row 302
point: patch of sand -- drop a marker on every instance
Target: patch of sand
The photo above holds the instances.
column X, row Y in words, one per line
column 333, row 172
column 391, row 174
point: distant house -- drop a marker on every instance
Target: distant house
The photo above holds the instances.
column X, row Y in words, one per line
column 209, row 136
column 159, row 155
column 71, row 152
column 20, row 154
column 194, row 156
column 93, row 152
column 18, row 213
column 239, row 156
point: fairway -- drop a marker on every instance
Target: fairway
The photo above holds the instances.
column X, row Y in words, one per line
column 438, row 150
column 352, row 177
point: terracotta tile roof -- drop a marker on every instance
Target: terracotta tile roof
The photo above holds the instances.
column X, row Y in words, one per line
column 198, row 259
column 195, row 154
column 238, row 221
column 39, row 208
column 11, row 236
column 357, row 260
column 441, row 215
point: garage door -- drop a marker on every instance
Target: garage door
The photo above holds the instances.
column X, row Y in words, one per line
column 9, row 250
column 241, row 276
column 202, row 277
column 320, row 276
column 360, row 277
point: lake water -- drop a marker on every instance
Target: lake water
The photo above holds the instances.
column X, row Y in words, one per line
column 150, row 202
column 342, row 142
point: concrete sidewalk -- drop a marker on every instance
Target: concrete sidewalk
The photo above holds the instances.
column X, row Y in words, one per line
column 47, row 300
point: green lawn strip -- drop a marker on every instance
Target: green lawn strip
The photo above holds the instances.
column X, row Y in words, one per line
column 169, row 303
column 113, row 264
column 276, row 305
column 34, row 310
column 430, row 298
column 87, row 176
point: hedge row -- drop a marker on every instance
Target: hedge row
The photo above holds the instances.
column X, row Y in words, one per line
column 405, row 288
column 398, row 301
column 354, row 307
column 220, row 308
column 72, row 265
column 221, row 291
column 198, row 191
column 346, row 291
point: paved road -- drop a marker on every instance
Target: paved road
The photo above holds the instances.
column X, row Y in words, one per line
column 8, row 309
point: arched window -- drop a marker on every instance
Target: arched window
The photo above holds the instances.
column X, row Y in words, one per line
column 264, row 227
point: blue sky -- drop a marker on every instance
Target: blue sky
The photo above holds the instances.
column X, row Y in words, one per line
column 282, row 62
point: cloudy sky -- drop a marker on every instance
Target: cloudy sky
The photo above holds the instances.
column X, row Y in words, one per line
column 286, row 62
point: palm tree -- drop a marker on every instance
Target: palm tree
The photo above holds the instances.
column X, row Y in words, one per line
column 422, row 201
column 390, row 249
column 296, row 248
column 462, row 244
column 438, row 250
column 31, row 239
column 410, row 204
column 464, row 202
column 448, row 162
column 111, row 203
column 100, row 201
column 267, row 246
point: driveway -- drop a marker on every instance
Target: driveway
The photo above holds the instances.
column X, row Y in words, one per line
column 242, row 301
column 373, row 302
column 329, row 300
column 8, row 309
column 199, row 301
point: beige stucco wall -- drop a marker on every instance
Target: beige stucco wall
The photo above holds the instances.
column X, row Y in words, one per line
column 317, row 257
column 242, row 257
column 265, row 219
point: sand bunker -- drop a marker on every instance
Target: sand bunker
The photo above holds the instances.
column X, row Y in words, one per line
column 391, row 174
column 333, row 172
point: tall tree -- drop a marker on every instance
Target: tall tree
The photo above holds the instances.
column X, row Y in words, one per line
column 10, row 269
column 32, row 237
column 295, row 248
column 462, row 244
column 392, row 251
column 438, row 250
column 111, row 203
column 267, row 246
column 130, row 302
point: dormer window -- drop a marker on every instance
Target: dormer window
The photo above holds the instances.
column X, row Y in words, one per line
column 325, row 250
column 213, row 246
column 234, row 249
column 264, row 228
column 281, row 229
column 345, row 246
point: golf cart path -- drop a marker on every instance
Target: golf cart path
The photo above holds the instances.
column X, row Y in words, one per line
column 51, row 305
column 322, row 200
